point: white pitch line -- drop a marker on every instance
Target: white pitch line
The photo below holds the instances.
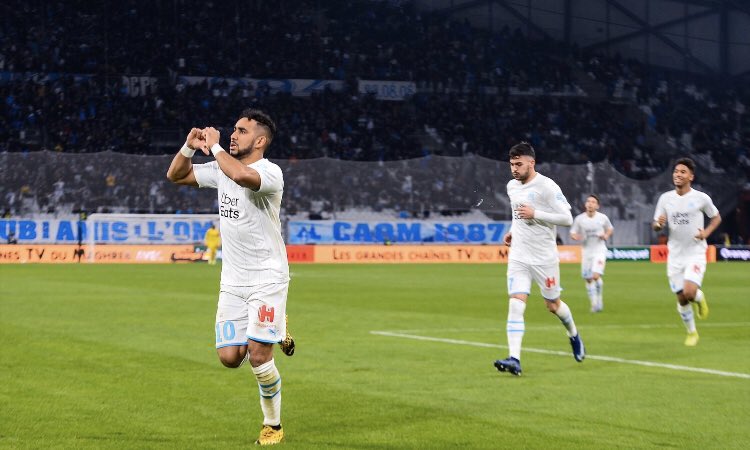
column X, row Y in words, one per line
column 554, row 352
column 587, row 326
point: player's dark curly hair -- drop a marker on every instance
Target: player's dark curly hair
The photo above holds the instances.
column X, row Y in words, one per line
column 687, row 162
column 523, row 148
column 594, row 196
column 263, row 119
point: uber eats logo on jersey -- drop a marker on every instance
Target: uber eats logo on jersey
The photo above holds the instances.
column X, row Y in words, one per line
column 228, row 207
column 680, row 218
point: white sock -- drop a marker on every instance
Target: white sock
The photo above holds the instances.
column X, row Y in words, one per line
column 269, row 382
column 516, row 326
column 699, row 296
column 566, row 317
column 599, row 290
column 591, row 290
column 686, row 312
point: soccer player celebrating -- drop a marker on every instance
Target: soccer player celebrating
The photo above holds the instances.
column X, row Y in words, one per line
column 538, row 207
column 683, row 209
column 250, row 316
column 594, row 228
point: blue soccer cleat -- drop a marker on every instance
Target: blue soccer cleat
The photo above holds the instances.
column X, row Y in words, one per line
column 579, row 352
column 509, row 364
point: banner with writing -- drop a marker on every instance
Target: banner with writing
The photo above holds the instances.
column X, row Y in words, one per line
column 395, row 232
column 388, row 90
column 127, row 254
column 109, row 229
column 426, row 254
column 298, row 87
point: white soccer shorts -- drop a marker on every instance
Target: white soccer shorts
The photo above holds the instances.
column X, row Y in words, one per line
column 680, row 270
column 547, row 276
column 592, row 264
column 251, row 312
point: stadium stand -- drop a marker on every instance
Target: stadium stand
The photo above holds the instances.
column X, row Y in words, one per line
column 71, row 83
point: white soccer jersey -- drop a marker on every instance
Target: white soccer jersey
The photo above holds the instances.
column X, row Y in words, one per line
column 253, row 251
column 591, row 228
column 684, row 217
column 533, row 239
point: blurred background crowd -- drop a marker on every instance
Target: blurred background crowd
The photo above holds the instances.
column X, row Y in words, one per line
column 133, row 77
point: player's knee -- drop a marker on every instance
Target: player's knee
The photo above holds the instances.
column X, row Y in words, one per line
column 260, row 354
column 230, row 363
column 258, row 360
column 689, row 293
column 552, row 305
column 231, row 359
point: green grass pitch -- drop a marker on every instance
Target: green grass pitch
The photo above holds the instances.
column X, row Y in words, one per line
column 116, row 356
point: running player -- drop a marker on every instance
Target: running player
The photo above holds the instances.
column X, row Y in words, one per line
column 594, row 228
column 538, row 207
column 682, row 210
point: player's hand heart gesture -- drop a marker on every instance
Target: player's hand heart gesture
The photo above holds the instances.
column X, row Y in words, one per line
column 195, row 139
column 212, row 136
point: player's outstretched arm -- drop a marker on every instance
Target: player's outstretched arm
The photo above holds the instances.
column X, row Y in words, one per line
column 181, row 169
column 241, row 174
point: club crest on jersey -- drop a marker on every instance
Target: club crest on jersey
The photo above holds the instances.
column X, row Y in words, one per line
column 265, row 314
column 550, row 282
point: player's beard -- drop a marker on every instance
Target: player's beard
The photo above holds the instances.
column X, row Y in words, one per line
column 238, row 152
column 522, row 177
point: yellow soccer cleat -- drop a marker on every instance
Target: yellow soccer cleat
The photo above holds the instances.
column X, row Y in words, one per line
column 701, row 308
column 287, row 345
column 269, row 436
column 692, row 339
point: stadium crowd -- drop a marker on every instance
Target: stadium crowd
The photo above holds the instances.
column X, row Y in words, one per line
column 455, row 65
column 64, row 87
column 290, row 39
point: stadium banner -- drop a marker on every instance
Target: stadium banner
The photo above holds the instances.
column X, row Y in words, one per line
column 140, row 254
column 300, row 253
column 395, row 232
column 388, row 90
column 433, row 254
column 110, row 229
column 139, row 86
column 68, row 253
column 42, row 77
column 659, row 253
column 629, row 253
column 298, row 87
column 739, row 253
column 43, row 231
